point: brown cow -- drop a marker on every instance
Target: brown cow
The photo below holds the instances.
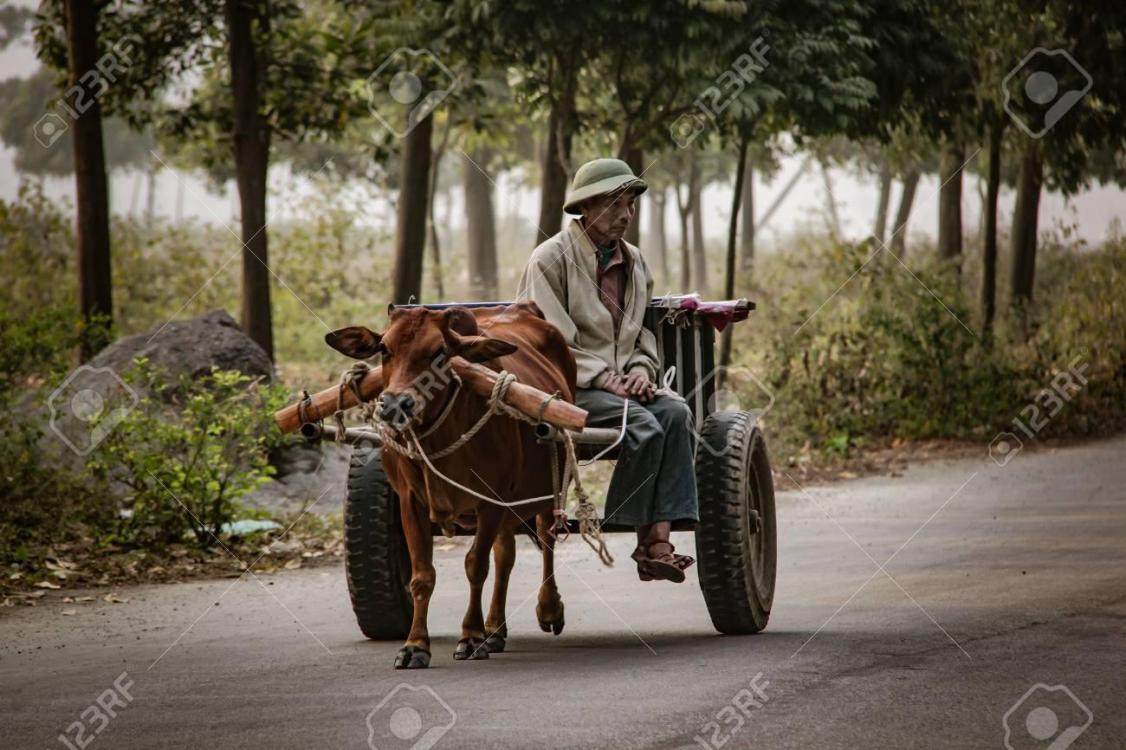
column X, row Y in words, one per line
column 503, row 460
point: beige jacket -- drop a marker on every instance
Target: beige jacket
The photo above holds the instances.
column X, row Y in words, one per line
column 561, row 277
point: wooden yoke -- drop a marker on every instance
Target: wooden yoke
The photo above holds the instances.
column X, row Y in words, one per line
column 478, row 378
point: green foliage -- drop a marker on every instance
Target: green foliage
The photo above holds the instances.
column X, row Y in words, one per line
column 42, row 498
column 187, row 456
column 33, row 347
column 12, row 22
column 1082, row 315
column 333, row 276
column 36, row 251
column 888, row 356
column 27, row 100
column 332, row 266
column 177, row 463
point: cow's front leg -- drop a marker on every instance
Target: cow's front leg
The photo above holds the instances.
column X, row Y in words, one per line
column 549, row 607
column 504, row 556
column 472, row 643
column 415, row 653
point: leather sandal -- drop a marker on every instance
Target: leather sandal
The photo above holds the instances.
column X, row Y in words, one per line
column 656, row 561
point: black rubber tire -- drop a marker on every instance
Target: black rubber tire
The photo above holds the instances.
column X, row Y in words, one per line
column 736, row 568
column 375, row 552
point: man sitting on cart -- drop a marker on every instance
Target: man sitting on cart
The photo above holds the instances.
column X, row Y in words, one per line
column 595, row 287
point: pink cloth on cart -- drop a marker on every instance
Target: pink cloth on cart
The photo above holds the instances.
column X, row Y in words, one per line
column 719, row 313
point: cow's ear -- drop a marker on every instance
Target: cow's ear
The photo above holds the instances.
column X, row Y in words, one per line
column 459, row 320
column 483, row 348
column 355, row 341
column 530, row 307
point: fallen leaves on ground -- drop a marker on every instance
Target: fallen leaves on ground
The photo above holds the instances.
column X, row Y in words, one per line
column 808, row 467
column 303, row 541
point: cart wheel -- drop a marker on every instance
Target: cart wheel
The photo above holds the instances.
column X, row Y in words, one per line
column 736, row 539
column 376, row 557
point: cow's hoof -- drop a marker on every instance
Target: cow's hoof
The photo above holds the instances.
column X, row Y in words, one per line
column 412, row 657
column 495, row 643
column 471, row 648
column 554, row 625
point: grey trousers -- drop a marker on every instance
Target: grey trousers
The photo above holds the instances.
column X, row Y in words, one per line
column 655, row 478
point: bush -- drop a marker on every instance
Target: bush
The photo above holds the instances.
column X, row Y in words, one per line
column 1080, row 314
column 36, row 253
column 186, row 456
column 44, row 501
column 885, row 358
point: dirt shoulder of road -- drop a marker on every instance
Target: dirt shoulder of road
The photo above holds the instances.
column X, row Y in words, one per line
column 893, row 458
column 82, row 565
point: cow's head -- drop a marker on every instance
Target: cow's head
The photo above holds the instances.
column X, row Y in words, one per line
column 416, row 348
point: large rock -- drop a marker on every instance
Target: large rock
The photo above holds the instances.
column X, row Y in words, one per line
column 190, row 347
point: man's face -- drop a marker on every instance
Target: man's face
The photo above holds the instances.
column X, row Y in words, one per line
column 607, row 217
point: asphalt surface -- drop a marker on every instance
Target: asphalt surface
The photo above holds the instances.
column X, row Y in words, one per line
column 1000, row 579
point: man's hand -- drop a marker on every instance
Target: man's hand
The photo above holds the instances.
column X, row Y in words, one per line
column 635, row 385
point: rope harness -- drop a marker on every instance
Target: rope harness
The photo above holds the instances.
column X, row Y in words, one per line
column 590, row 528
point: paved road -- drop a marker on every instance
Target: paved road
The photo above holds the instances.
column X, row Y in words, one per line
column 1001, row 578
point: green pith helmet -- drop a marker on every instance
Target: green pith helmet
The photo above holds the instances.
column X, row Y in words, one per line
column 601, row 177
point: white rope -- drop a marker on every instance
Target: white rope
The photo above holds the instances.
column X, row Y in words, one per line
column 670, row 376
column 590, row 526
column 474, row 493
column 613, row 445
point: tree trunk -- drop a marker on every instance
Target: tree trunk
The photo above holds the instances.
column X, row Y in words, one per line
column 684, row 208
column 747, row 240
column 989, row 251
column 741, row 173
column 699, row 257
column 1025, row 220
column 634, row 156
column 481, row 229
column 435, row 246
column 883, row 202
column 95, row 282
column 150, row 198
column 831, row 203
column 950, row 202
column 659, row 235
column 432, row 197
column 898, row 243
column 556, row 165
column 762, row 221
column 410, row 220
column 252, row 159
